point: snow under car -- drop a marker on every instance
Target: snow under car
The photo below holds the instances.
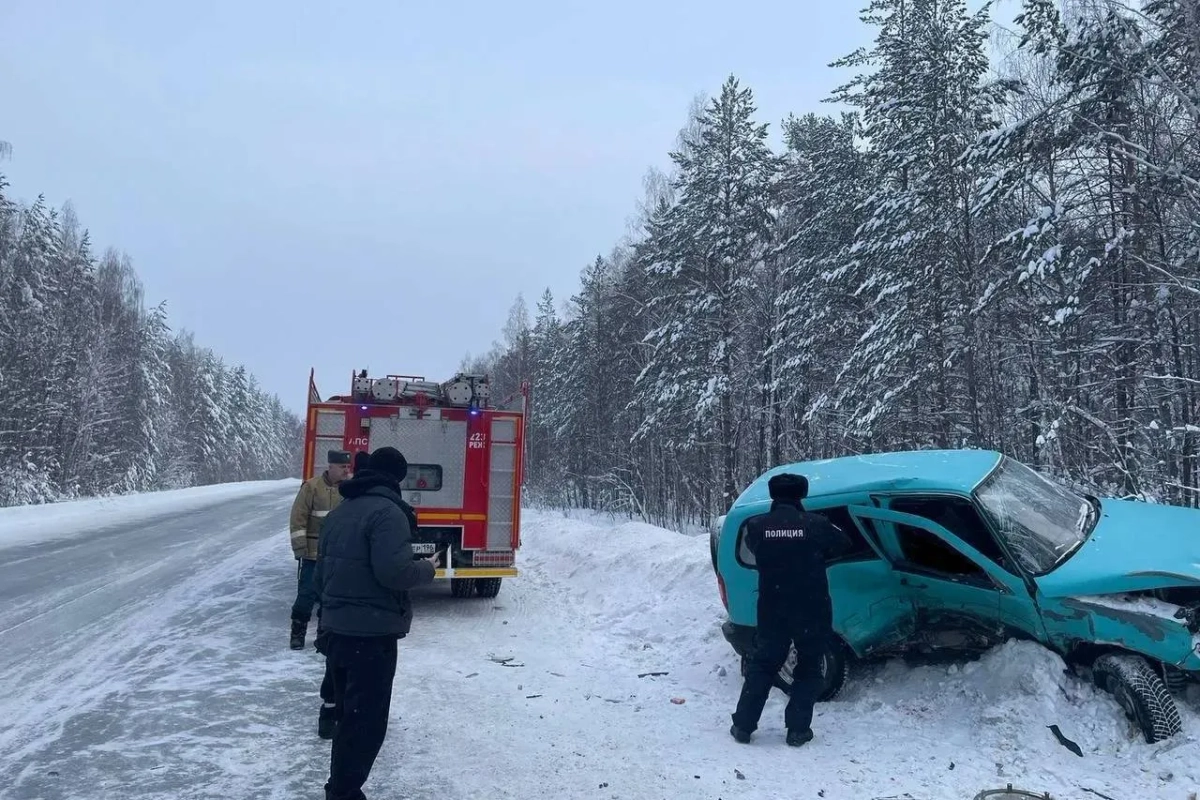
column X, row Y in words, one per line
column 956, row 551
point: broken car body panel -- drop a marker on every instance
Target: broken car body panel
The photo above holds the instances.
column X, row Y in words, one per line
column 1134, row 547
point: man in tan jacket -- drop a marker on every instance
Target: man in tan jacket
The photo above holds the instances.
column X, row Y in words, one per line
column 316, row 498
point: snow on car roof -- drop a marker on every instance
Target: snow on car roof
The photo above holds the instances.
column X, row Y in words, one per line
column 945, row 470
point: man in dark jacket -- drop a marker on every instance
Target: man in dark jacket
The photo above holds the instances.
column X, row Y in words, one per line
column 364, row 571
column 791, row 548
column 327, row 719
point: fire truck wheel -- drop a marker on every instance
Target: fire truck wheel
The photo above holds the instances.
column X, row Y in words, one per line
column 462, row 587
column 488, row 587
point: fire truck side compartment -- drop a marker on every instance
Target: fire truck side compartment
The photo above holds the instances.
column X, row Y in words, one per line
column 330, row 430
column 502, row 474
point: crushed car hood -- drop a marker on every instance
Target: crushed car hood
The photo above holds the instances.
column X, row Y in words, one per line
column 1134, row 546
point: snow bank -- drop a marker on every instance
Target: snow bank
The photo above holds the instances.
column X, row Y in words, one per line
column 630, row 577
column 23, row 525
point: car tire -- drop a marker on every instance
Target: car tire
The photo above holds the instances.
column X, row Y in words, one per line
column 835, row 669
column 462, row 587
column 1140, row 692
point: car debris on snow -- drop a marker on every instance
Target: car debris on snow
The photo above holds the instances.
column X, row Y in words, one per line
column 1064, row 741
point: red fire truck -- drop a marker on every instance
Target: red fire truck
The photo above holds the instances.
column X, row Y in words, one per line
column 465, row 464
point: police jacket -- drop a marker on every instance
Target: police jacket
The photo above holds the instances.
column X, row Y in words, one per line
column 791, row 548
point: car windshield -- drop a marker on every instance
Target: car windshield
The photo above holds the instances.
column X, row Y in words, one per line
column 1042, row 521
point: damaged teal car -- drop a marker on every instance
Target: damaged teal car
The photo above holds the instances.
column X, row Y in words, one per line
column 956, row 551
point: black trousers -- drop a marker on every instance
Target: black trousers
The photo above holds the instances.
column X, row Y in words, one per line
column 327, row 694
column 307, row 595
column 361, row 670
column 776, row 633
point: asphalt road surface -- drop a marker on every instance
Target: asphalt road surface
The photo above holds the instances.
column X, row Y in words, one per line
column 115, row 662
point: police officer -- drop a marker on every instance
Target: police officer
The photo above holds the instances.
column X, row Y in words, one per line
column 790, row 547
column 316, row 498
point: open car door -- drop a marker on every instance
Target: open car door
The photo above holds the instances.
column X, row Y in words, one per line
column 871, row 610
column 948, row 578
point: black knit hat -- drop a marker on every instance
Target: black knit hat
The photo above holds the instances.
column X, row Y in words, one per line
column 788, row 486
column 390, row 462
column 360, row 460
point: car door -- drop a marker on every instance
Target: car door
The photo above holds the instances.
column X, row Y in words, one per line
column 871, row 611
column 984, row 593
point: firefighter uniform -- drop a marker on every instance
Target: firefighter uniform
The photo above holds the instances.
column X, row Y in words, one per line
column 316, row 498
column 791, row 548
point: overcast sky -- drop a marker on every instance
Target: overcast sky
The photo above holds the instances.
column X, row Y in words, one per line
column 371, row 185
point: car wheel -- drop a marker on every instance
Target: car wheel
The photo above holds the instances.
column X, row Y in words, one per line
column 835, row 668
column 487, row 587
column 462, row 587
column 1140, row 692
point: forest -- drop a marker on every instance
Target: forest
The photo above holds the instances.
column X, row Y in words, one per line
column 97, row 394
column 995, row 243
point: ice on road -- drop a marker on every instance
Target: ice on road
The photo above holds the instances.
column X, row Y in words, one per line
column 150, row 660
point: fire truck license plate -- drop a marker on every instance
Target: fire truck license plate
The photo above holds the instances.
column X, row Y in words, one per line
column 424, row 548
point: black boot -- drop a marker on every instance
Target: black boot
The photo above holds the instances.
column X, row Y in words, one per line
column 798, row 738
column 299, row 629
column 739, row 734
column 327, row 721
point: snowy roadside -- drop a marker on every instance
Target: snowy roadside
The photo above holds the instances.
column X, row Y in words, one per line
column 643, row 599
column 542, row 692
column 23, row 525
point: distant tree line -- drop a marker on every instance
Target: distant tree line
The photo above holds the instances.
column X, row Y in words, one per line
column 1001, row 255
column 97, row 395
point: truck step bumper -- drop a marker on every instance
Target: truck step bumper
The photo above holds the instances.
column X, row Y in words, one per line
column 476, row 572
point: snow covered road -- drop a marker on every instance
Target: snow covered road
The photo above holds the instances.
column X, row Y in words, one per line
column 151, row 661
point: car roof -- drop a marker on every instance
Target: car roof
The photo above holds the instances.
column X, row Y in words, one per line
column 918, row 470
